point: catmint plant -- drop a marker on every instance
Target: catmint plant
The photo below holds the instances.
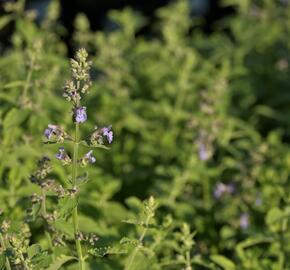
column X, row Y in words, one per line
column 149, row 208
column 74, row 92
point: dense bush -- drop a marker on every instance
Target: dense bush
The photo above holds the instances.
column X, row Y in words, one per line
column 197, row 176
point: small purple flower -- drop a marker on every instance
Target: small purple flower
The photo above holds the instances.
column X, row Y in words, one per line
column 54, row 132
column 203, row 154
column 50, row 130
column 80, row 114
column 89, row 157
column 222, row 189
column 108, row 133
column 244, row 221
column 63, row 156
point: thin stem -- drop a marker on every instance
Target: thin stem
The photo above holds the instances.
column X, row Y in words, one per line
column 75, row 211
column 188, row 260
column 4, row 247
column 27, row 84
column 134, row 253
column 23, row 261
column 43, row 212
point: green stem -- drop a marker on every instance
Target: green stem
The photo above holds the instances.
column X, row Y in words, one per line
column 25, row 266
column 75, row 211
column 188, row 262
column 27, row 84
column 43, row 211
column 3, row 246
column 134, row 253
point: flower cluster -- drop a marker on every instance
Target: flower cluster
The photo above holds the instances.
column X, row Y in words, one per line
column 99, row 135
column 44, row 168
column 80, row 69
column 74, row 91
column 80, row 114
column 87, row 159
column 63, row 156
column 55, row 133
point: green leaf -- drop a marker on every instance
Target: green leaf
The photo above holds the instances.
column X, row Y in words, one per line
column 274, row 215
column 14, row 118
column 41, row 260
column 82, row 179
column 249, row 243
column 60, row 261
column 99, row 252
column 64, row 227
column 135, row 204
column 34, row 250
column 223, row 262
column 4, row 20
column 13, row 84
column 84, row 143
column 129, row 241
column 66, row 206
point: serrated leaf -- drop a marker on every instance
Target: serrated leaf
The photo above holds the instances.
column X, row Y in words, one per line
column 60, row 261
column 223, row 262
column 41, row 260
column 127, row 240
column 66, row 206
column 82, row 179
column 107, row 250
column 34, row 250
column 64, row 227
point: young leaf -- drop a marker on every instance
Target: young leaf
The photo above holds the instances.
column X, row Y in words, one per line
column 60, row 261
column 223, row 262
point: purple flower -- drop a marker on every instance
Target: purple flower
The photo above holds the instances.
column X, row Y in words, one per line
column 108, row 133
column 63, row 156
column 89, row 157
column 222, row 189
column 80, row 114
column 54, row 132
column 203, row 154
column 244, row 221
column 50, row 130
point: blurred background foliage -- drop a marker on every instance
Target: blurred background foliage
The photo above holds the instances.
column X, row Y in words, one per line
column 200, row 122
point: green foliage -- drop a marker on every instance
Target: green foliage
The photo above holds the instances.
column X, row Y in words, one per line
column 201, row 128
